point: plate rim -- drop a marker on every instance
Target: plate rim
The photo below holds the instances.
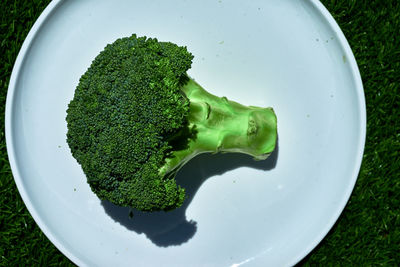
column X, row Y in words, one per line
column 50, row 8
column 356, row 75
column 47, row 12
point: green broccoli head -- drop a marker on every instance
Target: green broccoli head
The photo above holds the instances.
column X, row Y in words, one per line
column 136, row 118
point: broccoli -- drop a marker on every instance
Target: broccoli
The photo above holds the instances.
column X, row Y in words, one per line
column 137, row 117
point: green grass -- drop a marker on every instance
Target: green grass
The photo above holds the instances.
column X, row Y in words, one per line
column 368, row 231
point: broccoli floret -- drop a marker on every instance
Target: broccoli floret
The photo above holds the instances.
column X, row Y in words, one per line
column 137, row 117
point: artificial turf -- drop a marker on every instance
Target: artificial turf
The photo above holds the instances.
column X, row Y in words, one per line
column 368, row 231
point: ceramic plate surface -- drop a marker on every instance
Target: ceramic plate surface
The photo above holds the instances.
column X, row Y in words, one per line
column 290, row 55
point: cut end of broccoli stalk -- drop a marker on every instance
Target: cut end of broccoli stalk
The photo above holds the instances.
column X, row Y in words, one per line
column 222, row 125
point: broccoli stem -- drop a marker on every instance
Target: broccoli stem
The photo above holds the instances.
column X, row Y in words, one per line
column 222, row 125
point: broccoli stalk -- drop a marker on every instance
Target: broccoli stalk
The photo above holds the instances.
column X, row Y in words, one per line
column 222, row 125
column 136, row 118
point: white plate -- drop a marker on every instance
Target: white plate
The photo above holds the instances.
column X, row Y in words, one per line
column 287, row 54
